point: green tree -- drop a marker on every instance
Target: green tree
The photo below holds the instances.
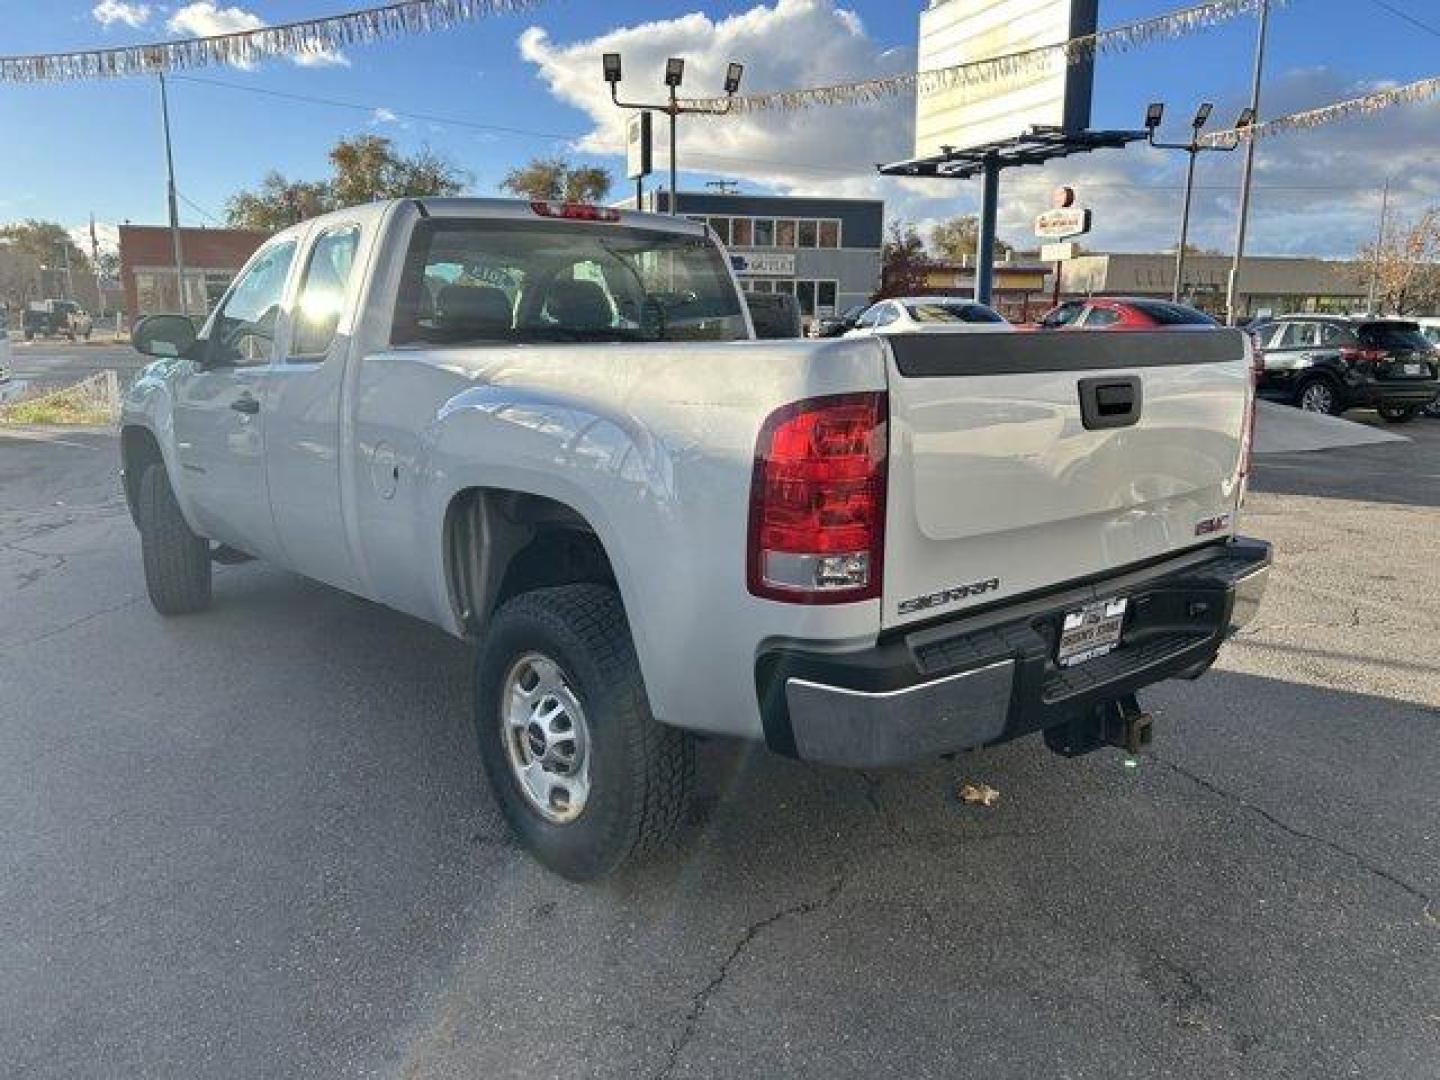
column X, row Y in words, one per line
column 279, row 203
column 556, row 179
column 955, row 240
column 47, row 243
column 364, row 169
column 903, row 261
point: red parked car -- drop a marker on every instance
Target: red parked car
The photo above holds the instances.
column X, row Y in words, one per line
column 1122, row 313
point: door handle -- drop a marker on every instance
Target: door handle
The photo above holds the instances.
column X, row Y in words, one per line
column 1111, row 402
column 245, row 404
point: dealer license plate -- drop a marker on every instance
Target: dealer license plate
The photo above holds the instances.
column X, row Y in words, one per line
column 1091, row 631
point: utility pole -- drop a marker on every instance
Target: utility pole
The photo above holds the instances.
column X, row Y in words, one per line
column 1374, row 293
column 174, row 205
column 1232, row 290
column 95, row 264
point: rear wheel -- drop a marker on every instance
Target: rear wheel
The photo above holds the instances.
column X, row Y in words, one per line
column 1398, row 414
column 584, row 774
column 1318, row 395
column 177, row 562
column 1433, row 409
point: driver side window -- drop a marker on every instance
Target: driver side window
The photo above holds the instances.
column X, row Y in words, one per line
column 244, row 328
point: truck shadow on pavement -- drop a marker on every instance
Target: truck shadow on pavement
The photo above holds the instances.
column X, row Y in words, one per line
column 287, row 842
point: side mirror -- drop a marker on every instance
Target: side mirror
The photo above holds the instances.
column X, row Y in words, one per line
column 163, row 335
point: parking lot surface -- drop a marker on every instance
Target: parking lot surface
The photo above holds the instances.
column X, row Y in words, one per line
column 257, row 843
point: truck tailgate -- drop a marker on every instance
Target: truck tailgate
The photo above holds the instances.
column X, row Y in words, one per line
column 1003, row 481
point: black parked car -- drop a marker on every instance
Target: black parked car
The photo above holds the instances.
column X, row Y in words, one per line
column 1330, row 363
column 837, row 325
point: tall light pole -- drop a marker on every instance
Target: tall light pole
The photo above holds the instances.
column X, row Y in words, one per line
column 1232, row 290
column 1374, row 292
column 674, row 76
column 1194, row 148
column 174, row 205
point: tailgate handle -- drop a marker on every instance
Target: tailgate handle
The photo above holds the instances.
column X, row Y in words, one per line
column 1110, row 402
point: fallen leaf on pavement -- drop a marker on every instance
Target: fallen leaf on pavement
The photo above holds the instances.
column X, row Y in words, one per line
column 978, row 794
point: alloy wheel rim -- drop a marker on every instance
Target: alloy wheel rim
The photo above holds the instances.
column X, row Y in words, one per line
column 547, row 739
column 1317, row 398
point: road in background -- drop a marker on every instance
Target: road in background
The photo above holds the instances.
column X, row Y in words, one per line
column 256, row 843
column 50, row 365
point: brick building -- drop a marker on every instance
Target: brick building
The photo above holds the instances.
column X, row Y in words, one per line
column 212, row 258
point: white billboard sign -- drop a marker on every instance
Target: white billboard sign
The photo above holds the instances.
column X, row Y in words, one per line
column 638, row 143
column 1051, row 94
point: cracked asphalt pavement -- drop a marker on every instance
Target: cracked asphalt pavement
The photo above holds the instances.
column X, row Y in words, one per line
column 257, row 843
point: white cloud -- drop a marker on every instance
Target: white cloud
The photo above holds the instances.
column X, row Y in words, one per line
column 776, row 148
column 1316, row 192
column 206, row 19
column 209, row 20
column 383, row 115
column 109, row 12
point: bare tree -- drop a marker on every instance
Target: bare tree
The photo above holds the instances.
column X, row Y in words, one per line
column 1405, row 266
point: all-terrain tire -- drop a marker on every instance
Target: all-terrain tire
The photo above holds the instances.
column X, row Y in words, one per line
column 177, row 562
column 641, row 772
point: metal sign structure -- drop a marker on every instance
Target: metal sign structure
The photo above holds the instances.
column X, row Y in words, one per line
column 639, row 146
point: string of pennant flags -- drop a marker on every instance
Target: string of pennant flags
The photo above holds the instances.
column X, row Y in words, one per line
column 993, row 69
column 305, row 37
column 1367, row 104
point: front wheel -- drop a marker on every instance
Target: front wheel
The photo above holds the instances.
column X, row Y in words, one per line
column 1433, row 409
column 177, row 562
column 1320, row 396
column 584, row 774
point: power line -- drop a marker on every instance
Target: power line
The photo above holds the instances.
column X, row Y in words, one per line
column 1411, row 19
column 197, row 207
column 451, row 121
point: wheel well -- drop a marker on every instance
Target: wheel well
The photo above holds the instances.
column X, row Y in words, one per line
column 138, row 449
column 499, row 544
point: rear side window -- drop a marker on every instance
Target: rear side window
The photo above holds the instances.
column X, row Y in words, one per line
column 1173, row 314
column 1298, row 335
column 1100, row 317
column 953, row 313
column 517, row 281
column 1403, row 336
column 322, row 294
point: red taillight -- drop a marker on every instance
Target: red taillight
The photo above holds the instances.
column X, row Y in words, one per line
column 574, row 211
column 1355, row 352
column 817, row 501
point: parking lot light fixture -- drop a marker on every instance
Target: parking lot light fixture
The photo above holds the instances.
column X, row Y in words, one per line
column 1193, row 148
column 674, row 76
column 1246, row 118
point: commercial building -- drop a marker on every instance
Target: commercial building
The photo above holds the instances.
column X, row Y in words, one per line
column 212, row 258
column 1267, row 284
column 1020, row 290
column 824, row 252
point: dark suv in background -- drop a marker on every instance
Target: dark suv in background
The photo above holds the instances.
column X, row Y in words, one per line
column 1330, row 363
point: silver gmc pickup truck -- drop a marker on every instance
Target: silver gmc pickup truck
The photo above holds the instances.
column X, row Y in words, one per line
column 546, row 428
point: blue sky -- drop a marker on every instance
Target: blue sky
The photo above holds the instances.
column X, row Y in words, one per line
column 74, row 148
